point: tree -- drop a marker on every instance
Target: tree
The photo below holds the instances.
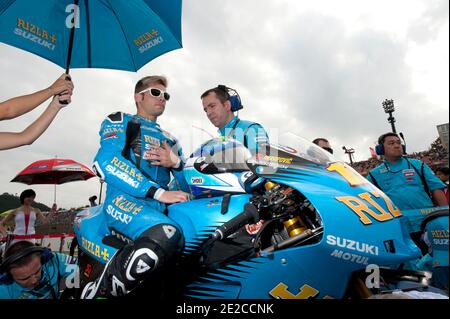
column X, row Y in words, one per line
column 437, row 147
column 8, row 201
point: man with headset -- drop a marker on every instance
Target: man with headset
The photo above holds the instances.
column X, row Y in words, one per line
column 410, row 183
column 219, row 104
column 32, row 272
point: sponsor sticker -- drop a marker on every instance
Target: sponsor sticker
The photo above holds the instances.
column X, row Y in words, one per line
column 197, row 180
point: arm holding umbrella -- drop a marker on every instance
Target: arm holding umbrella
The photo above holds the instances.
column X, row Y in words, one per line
column 10, row 140
column 20, row 105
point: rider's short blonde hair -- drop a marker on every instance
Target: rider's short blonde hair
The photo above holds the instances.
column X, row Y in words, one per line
column 143, row 83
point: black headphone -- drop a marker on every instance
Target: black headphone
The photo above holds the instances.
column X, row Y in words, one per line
column 379, row 149
column 46, row 255
column 232, row 96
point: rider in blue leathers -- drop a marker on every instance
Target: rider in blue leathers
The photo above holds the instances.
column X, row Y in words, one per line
column 136, row 159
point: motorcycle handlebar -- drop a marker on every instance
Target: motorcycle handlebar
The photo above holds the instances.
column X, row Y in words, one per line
column 250, row 215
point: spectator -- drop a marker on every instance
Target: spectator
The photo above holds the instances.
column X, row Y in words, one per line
column 426, row 158
column 31, row 272
column 442, row 173
column 323, row 143
column 408, row 182
column 61, row 90
column 25, row 216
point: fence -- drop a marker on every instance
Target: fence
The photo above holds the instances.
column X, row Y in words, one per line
column 55, row 242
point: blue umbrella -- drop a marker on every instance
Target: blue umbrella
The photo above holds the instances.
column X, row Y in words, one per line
column 110, row 34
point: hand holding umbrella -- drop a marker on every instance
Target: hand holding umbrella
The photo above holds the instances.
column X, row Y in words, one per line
column 63, row 87
column 61, row 90
column 10, row 140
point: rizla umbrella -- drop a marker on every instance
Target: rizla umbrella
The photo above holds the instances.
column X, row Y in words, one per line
column 111, row 34
column 53, row 171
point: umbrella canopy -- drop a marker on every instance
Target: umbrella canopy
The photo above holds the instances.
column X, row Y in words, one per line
column 53, row 171
column 111, row 34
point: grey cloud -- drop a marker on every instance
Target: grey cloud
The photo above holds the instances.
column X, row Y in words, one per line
column 427, row 26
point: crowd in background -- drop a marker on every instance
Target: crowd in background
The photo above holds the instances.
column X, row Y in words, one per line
column 435, row 157
column 62, row 217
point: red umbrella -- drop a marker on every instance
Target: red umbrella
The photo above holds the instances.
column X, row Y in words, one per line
column 53, row 171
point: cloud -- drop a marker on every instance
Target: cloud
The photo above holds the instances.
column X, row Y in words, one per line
column 426, row 28
column 315, row 69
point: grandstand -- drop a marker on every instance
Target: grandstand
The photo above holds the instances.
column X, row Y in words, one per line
column 61, row 223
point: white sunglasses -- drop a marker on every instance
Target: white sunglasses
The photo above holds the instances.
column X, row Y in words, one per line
column 157, row 93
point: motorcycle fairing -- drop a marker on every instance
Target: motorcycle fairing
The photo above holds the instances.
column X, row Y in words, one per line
column 322, row 268
column 199, row 218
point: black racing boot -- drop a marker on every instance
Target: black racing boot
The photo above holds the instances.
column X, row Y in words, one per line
column 122, row 273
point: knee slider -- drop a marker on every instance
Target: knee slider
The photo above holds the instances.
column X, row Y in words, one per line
column 166, row 238
column 144, row 259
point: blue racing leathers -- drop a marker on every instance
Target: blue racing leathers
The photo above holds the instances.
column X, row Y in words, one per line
column 131, row 206
column 132, row 180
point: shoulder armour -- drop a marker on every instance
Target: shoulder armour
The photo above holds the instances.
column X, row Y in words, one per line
column 116, row 117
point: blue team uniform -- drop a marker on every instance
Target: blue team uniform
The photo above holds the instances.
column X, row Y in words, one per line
column 52, row 270
column 402, row 183
column 249, row 133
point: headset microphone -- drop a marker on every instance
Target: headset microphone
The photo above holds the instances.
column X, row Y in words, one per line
column 404, row 143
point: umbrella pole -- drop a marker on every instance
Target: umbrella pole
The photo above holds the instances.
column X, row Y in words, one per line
column 72, row 35
column 54, row 187
column 69, row 53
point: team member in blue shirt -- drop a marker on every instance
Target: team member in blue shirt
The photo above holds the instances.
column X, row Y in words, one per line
column 31, row 272
column 136, row 158
column 409, row 183
column 219, row 106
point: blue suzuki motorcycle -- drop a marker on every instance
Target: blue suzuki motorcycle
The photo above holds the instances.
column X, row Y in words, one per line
column 290, row 222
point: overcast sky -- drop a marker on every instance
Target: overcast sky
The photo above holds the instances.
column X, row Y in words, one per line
column 314, row 68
